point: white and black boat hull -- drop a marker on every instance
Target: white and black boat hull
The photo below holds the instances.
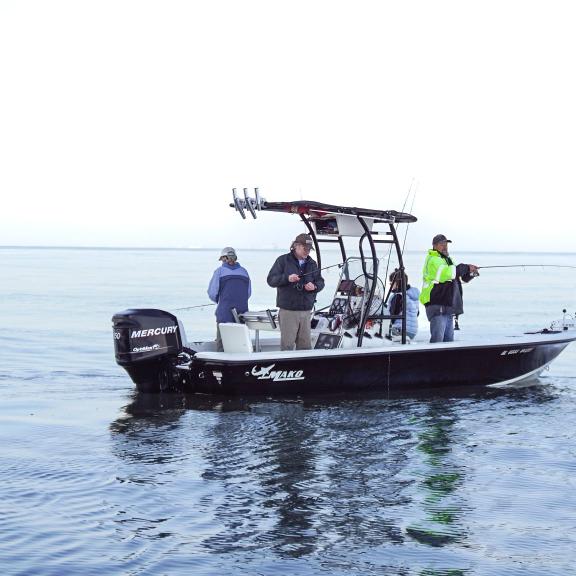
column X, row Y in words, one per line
column 388, row 370
column 150, row 346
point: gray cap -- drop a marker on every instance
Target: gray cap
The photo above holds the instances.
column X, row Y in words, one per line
column 439, row 238
column 229, row 252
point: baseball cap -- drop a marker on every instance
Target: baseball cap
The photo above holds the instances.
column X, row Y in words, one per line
column 439, row 238
column 305, row 240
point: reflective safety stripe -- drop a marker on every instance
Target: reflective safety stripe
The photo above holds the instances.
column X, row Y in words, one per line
column 438, row 273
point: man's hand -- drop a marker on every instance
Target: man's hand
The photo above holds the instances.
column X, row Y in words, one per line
column 293, row 278
column 309, row 286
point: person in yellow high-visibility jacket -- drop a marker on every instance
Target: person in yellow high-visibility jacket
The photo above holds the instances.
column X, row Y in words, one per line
column 441, row 290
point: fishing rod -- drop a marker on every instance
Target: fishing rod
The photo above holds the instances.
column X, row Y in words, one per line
column 390, row 249
column 387, row 296
column 408, row 225
column 457, row 326
column 320, row 269
column 214, row 303
column 199, row 306
column 527, row 266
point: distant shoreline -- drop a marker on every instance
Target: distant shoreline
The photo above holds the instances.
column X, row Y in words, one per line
column 271, row 249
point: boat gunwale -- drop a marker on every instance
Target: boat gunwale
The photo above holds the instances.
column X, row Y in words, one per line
column 213, row 357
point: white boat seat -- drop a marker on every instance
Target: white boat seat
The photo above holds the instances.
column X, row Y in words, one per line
column 235, row 337
column 182, row 333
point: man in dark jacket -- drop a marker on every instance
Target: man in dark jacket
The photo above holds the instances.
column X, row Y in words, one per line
column 297, row 280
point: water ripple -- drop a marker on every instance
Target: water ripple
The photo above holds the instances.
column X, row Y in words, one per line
column 456, row 485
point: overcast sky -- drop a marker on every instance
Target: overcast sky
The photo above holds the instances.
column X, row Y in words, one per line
column 128, row 122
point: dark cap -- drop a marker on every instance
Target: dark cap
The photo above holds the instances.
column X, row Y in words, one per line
column 396, row 276
column 439, row 238
column 305, row 240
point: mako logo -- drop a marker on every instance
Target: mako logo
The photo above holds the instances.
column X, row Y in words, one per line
column 153, row 332
column 266, row 373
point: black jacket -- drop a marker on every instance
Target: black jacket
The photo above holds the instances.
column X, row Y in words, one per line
column 449, row 294
column 291, row 295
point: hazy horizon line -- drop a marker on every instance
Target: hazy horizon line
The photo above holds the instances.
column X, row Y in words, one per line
column 218, row 248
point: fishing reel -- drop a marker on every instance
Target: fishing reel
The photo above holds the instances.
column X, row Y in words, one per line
column 301, row 283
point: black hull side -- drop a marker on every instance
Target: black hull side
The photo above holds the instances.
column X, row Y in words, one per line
column 391, row 370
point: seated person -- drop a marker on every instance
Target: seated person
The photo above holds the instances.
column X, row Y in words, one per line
column 396, row 306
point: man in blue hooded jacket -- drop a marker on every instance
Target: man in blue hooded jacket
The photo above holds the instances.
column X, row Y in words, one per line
column 230, row 288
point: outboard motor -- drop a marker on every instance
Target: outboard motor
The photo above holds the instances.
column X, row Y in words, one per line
column 147, row 343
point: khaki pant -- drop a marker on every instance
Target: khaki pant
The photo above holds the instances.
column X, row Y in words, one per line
column 294, row 329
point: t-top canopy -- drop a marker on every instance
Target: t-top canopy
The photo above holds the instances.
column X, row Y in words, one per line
column 319, row 209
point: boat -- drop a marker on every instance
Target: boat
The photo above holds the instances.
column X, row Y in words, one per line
column 353, row 350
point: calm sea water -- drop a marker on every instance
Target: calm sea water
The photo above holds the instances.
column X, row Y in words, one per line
column 96, row 479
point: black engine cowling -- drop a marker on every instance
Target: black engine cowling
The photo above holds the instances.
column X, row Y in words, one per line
column 146, row 344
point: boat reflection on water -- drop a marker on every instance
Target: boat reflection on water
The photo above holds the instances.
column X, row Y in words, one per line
column 300, row 476
column 440, row 479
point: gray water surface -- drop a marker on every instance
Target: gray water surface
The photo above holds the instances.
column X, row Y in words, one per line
column 97, row 479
